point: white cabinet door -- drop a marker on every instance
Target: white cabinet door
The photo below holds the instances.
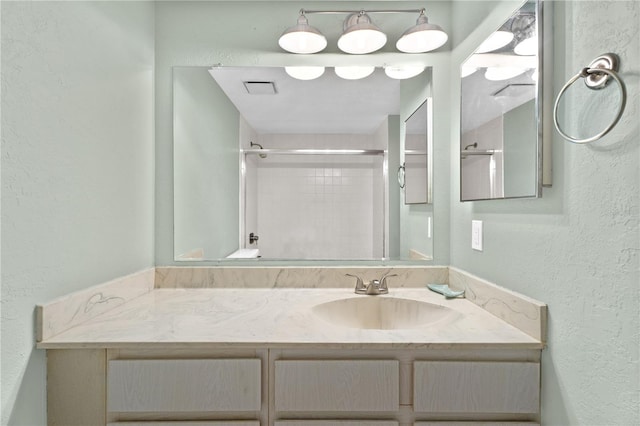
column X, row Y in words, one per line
column 336, row 385
column 188, row 423
column 183, row 385
column 475, row 424
column 476, row 387
column 335, row 423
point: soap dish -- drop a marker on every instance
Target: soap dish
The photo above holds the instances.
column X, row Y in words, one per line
column 445, row 290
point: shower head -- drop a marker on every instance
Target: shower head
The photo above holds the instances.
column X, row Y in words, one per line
column 475, row 145
column 259, row 146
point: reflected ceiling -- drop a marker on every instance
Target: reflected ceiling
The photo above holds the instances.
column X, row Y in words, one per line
column 328, row 104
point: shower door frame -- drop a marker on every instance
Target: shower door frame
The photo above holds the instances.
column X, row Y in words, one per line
column 243, row 238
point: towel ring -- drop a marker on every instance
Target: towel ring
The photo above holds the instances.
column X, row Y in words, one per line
column 401, row 176
column 597, row 75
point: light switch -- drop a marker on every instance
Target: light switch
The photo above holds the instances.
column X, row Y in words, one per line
column 476, row 235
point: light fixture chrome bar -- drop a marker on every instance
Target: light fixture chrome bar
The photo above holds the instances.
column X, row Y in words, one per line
column 345, row 12
column 315, row 151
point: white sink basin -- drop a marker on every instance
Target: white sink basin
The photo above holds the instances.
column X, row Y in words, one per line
column 382, row 313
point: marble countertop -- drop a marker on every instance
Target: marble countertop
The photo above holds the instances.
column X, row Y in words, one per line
column 278, row 318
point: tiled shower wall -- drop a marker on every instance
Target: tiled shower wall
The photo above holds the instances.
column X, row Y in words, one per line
column 320, row 206
column 479, row 181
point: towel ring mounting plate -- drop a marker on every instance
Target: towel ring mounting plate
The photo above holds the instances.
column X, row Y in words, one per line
column 607, row 61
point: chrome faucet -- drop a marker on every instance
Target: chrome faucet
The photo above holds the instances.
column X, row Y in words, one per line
column 372, row 288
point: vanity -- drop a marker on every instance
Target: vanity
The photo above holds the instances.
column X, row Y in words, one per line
column 176, row 346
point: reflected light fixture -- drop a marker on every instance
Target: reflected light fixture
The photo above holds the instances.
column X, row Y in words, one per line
column 495, row 41
column 502, row 73
column 304, row 73
column 466, row 71
column 524, row 28
column 401, row 73
column 528, row 46
column 422, row 37
column 354, row 72
column 302, row 38
column 360, row 35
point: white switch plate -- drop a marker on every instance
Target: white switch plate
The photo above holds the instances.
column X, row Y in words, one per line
column 476, row 235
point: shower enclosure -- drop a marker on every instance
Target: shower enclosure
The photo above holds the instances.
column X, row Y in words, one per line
column 314, row 203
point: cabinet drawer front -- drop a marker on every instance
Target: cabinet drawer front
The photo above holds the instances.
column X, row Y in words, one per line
column 335, row 423
column 184, row 385
column 370, row 385
column 475, row 424
column 188, row 423
column 476, row 387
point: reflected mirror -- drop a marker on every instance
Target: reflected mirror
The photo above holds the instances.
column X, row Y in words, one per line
column 414, row 175
column 268, row 166
column 500, row 141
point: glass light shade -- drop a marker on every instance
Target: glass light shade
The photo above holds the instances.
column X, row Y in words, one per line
column 502, row 73
column 302, row 38
column 528, row 47
column 466, row 71
column 422, row 37
column 304, row 73
column 401, row 73
column 354, row 73
column 495, row 41
column 361, row 36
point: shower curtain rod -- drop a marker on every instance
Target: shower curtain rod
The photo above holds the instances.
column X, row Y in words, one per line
column 315, row 151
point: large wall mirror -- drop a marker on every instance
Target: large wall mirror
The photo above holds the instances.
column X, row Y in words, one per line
column 272, row 166
column 501, row 126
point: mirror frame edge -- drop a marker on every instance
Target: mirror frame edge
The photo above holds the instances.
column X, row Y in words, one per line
column 543, row 103
column 278, row 262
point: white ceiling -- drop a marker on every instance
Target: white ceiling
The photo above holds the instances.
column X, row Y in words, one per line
column 327, row 104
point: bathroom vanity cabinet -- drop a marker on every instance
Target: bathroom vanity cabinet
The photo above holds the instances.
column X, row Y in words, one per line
column 272, row 357
column 293, row 387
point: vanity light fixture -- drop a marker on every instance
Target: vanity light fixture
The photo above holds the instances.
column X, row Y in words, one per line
column 302, row 37
column 422, row 37
column 401, row 73
column 354, row 72
column 304, row 73
column 360, row 35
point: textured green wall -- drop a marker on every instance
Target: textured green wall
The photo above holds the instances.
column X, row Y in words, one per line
column 577, row 247
column 205, row 127
column 77, row 167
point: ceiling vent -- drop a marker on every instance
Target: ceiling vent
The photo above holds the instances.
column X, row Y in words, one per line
column 260, row 87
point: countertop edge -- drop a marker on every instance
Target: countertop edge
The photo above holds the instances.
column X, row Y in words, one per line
column 297, row 345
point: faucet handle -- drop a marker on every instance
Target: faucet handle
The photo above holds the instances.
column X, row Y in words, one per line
column 383, row 281
column 359, row 284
